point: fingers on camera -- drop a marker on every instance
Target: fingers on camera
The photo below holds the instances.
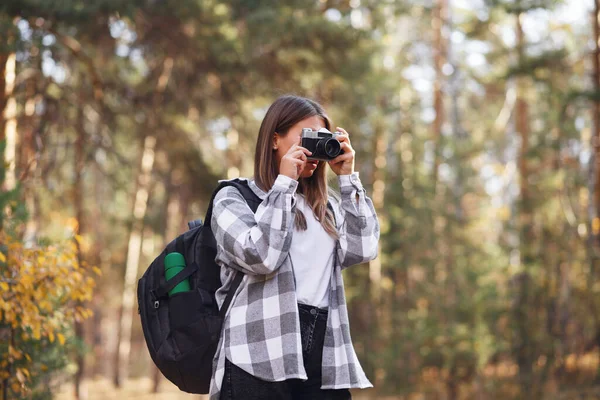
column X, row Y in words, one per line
column 342, row 157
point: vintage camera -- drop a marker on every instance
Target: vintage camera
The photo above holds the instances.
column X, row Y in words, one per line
column 322, row 143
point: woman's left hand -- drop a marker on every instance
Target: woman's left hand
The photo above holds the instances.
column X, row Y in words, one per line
column 344, row 163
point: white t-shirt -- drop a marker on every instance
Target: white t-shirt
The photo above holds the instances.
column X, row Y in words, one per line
column 311, row 253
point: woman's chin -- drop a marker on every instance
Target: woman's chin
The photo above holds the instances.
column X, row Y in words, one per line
column 307, row 173
column 309, row 169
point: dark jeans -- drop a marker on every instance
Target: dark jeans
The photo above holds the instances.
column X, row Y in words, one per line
column 238, row 384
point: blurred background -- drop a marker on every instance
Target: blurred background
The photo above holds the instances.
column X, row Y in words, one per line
column 476, row 125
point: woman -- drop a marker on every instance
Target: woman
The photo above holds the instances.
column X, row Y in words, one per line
column 286, row 335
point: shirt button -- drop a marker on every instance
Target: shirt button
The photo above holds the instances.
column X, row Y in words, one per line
column 313, row 311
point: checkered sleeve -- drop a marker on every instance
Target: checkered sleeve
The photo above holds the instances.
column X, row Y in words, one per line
column 358, row 226
column 257, row 243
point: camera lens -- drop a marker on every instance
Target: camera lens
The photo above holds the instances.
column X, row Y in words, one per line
column 332, row 148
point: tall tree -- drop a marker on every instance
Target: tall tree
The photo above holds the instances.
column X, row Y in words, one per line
column 594, row 241
column 135, row 239
column 438, row 24
column 79, row 166
column 10, row 120
column 523, row 346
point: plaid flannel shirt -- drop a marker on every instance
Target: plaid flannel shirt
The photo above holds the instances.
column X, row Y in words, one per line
column 261, row 331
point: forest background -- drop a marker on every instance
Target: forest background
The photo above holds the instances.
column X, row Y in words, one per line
column 476, row 125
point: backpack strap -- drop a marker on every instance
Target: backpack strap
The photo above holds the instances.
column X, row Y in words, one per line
column 242, row 185
column 253, row 202
column 234, row 286
column 162, row 291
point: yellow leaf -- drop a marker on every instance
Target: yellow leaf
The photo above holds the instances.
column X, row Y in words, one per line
column 73, row 223
column 51, row 336
column 61, row 338
column 4, row 285
column 45, row 305
column 97, row 270
column 2, row 257
column 14, row 353
column 26, row 281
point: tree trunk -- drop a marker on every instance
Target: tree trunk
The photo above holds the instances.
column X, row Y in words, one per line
column 3, row 92
column 439, row 221
column 594, row 171
column 97, row 259
column 10, row 122
column 380, row 319
column 233, row 157
column 7, row 81
column 456, row 226
column 7, row 119
column 183, row 208
column 156, row 378
column 29, row 155
column 401, row 277
column 79, row 165
column 439, row 51
column 596, row 119
column 380, row 144
column 135, row 239
column 133, row 257
column 33, row 206
column 524, row 351
column 593, row 242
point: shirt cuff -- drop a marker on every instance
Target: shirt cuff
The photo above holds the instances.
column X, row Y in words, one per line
column 284, row 183
column 350, row 180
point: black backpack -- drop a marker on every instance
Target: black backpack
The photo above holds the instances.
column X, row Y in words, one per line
column 182, row 331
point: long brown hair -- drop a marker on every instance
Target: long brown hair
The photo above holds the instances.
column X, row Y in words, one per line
column 284, row 113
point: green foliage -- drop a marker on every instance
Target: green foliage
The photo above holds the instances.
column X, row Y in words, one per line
column 72, row 11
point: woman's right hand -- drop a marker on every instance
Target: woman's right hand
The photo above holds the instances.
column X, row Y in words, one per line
column 293, row 162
